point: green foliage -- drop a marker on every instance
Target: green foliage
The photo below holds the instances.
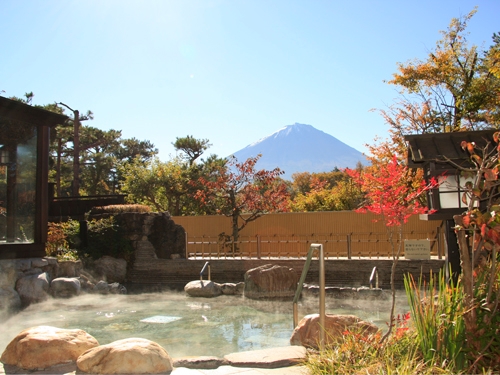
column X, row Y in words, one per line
column 333, row 191
column 63, row 240
column 437, row 314
column 106, row 237
column 192, row 148
column 120, row 208
column 487, row 295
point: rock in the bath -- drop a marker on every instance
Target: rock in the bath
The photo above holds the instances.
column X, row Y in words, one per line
column 270, row 281
column 69, row 268
column 116, row 288
column 44, row 346
column 202, row 362
column 102, row 287
column 203, row 288
column 65, row 287
column 128, row 356
column 231, row 289
column 33, row 288
column 307, row 332
column 111, row 269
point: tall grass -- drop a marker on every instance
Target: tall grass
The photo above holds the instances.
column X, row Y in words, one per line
column 437, row 311
column 357, row 354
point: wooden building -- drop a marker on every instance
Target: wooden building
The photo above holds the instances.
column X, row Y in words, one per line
column 24, row 165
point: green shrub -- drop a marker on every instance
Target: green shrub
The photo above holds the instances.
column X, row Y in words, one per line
column 106, row 237
column 63, row 240
column 120, row 208
column 437, row 314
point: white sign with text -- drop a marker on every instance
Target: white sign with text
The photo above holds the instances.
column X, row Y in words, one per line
column 417, row 249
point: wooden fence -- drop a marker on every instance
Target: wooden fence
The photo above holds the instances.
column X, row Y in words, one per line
column 344, row 235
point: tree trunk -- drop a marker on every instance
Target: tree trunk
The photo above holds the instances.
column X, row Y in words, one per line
column 76, row 154
column 470, row 316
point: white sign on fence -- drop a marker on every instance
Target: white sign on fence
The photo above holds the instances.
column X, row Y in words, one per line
column 417, row 249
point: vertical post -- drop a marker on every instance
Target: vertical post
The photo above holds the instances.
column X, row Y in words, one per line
column 84, row 230
column 452, row 253
column 439, row 243
column 258, row 246
column 321, row 297
column 349, row 250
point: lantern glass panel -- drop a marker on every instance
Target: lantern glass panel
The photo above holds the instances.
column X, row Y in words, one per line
column 451, row 191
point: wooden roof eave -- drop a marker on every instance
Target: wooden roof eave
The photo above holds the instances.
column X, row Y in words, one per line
column 17, row 111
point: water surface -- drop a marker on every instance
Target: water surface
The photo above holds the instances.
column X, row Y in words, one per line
column 183, row 325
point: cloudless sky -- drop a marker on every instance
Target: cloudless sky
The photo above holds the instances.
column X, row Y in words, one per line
column 230, row 71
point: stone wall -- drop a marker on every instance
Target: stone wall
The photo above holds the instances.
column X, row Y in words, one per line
column 13, row 273
column 152, row 234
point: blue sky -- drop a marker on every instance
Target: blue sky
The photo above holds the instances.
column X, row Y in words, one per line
column 230, row 71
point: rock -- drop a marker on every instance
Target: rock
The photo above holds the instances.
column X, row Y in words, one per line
column 116, row 288
column 202, row 362
column 111, row 269
column 231, row 289
column 270, row 281
column 65, row 287
column 268, row 358
column 102, row 287
column 33, row 288
column 372, row 294
column 128, row 356
column 69, row 268
column 202, row 288
column 44, row 346
column 8, row 274
column 307, row 332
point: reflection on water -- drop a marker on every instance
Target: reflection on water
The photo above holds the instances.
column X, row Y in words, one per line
column 183, row 325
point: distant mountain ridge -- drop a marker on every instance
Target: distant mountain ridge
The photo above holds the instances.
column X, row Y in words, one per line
column 301, row 148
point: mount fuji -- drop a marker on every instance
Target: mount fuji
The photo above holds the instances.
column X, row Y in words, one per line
column 301, row 148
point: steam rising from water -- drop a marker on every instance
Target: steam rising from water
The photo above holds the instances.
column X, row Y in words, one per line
column 185, row 325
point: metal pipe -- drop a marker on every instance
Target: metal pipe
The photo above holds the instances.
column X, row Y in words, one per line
column 207, row 264
column 322, row 292
column 321, row 298
column 374, row 274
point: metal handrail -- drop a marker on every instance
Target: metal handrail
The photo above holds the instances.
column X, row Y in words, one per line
column 374, row 275
column 300, row 285
column 207, row 265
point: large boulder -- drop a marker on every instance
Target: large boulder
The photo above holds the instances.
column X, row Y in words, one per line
column 111, row 269
column 128, row 356
column 69, row 268
column 33, row 288
column 65, row 287
column 307, row 332
column 44, row 346
column 203, row 288
column 271, row 281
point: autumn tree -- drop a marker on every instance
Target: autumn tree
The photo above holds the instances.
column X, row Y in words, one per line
column 242, row 193
column 389, row 196
column 478, row 234
column 167, row 186
column 330, row 191
column 455, row 88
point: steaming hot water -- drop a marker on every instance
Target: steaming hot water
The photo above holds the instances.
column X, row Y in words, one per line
column 186, row 325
